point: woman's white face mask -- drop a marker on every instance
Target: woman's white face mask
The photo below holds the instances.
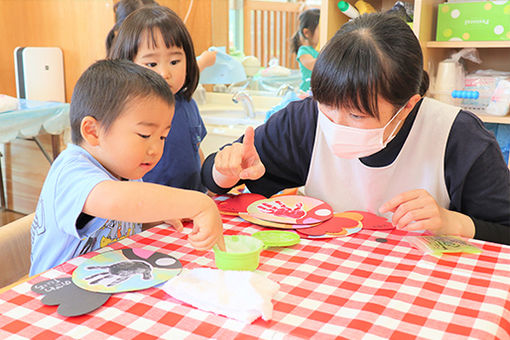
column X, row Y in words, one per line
column 351, row 142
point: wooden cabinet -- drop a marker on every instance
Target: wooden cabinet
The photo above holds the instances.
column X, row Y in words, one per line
column 494, row 54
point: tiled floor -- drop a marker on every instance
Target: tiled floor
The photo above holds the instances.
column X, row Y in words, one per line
column 7, row 216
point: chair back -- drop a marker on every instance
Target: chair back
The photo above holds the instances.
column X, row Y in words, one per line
column 15, row 247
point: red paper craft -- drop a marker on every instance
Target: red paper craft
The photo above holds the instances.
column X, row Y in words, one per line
column 372, row 221
column 247, row 217
column 238, row 203
column 291, row 209
column 334, row 225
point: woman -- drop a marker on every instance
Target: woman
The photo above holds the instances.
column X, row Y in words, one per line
column 367, row 140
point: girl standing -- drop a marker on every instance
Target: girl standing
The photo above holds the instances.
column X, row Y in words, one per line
column 303, row 43
column 156, row 38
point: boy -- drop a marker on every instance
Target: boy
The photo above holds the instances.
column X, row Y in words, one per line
column 93, row 194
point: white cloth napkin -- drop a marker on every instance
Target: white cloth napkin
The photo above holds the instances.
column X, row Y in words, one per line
column 240, row 295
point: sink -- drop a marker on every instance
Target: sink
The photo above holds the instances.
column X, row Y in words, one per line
column 219, row 109
column 226, row 121
column 228, row 117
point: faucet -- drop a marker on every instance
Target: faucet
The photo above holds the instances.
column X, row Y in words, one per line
column 282, row 90
column 239, row 86
column 245, row 99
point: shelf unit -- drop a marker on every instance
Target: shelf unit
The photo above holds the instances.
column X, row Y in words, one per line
column 494, row 54
column 468, row 44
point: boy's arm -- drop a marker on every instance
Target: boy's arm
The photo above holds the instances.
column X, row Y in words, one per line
column 147, row 202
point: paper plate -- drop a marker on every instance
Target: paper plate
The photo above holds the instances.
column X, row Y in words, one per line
column 249, row 218
column 292, row 209
column 125, row 270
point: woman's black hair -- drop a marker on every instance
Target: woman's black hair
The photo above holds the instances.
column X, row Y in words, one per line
column 107, row 86
column 121, row 10
column 148, row 20
column 308, row 19
column 372, row 55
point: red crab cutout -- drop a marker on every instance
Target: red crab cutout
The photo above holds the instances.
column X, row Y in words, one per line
column 237, row 203
column 372, row 221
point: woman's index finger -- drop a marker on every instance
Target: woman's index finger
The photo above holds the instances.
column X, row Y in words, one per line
column 249, row 139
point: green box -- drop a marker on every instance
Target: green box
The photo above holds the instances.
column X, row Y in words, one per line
column 473, row 21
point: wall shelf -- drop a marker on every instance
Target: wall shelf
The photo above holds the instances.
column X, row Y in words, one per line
column 468, row 44
column 494, row 119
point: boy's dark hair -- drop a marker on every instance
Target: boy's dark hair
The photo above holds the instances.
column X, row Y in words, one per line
column 174, row 32
column 371, row 55
column 107, row 86
column 308, row 19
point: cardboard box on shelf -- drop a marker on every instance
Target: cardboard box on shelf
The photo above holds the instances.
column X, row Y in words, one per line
column 473, row 21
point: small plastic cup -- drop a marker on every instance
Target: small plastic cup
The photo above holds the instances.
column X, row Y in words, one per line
column 243, row 251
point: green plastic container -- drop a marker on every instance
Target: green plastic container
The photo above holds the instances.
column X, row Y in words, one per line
column 243, row 251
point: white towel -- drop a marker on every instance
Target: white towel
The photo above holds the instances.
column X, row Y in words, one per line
column 240, row 295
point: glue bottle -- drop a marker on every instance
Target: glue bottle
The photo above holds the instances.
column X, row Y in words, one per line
column 364, row 7
column 348, row 9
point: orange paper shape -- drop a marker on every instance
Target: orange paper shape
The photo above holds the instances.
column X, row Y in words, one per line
column 336, row 226
column 372, row 221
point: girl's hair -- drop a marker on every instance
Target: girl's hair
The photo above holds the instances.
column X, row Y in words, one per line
column 308, row 19
column 122, row 9
column 372, row 55
column 148, row 20
column 105, row 88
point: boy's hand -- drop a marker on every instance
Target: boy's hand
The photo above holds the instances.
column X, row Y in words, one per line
column 238, row 161
column 176, row 224
column 207, row 229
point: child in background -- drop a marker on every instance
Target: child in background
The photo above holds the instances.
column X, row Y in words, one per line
column 156, row 38
column 120, row 116
column 303, row 43
column 367, row 140
column 125, row 7
column 121, row 10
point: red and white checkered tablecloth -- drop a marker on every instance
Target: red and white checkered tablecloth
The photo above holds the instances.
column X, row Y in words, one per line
column 352, row 288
